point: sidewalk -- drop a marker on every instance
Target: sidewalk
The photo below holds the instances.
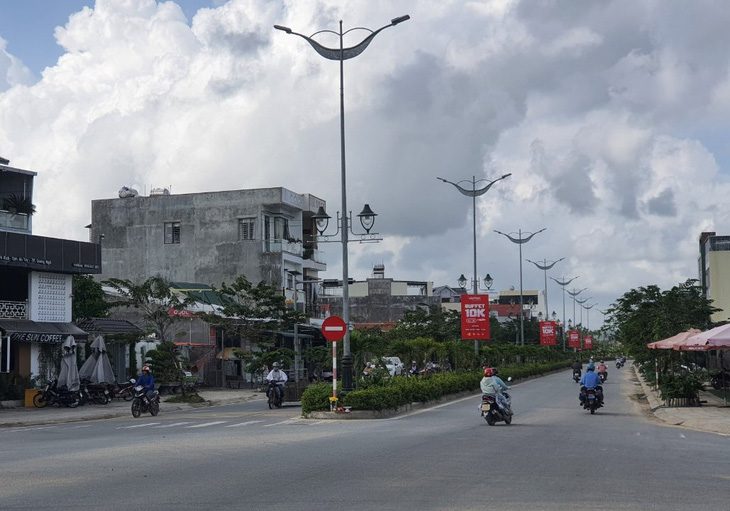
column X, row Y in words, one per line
column 712, row 416
column 21, row 416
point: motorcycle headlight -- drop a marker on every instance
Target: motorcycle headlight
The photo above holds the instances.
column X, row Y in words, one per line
column 138, row 388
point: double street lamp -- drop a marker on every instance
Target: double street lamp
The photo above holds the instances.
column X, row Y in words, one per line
column 367, row 217
column 520, row 241
column 562, row 283
column 474, row 192
column 545, row 266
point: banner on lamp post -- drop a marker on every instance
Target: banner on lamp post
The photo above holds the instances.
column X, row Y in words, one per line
column 475, row 317
column 574, row 339
column 548, row 333
column 588, row 342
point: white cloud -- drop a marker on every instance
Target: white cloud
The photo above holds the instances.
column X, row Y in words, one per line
column 599, row 110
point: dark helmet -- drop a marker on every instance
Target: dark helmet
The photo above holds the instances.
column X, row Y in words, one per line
column 590, row 367
column 494, row 371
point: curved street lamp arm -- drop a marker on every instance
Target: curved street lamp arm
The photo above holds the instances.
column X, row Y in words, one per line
column 474, row 192
column 576, row 293
column 565, row 282
column 344, row 53
column 546, row 266
column 584, row 301
column 520, row 240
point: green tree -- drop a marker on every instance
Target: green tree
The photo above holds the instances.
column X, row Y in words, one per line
column 88, row 299
column 256, row 313
column 434, row 323
column 648, row 314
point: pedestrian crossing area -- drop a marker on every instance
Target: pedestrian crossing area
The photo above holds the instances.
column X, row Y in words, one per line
column 193, row 425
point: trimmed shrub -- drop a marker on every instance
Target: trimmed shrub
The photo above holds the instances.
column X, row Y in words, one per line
column 316, row 398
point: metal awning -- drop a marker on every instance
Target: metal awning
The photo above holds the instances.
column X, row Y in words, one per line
column 40, row 331
column 109, row 326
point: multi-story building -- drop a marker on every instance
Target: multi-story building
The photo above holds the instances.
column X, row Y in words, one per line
column 377, row 301
column 714, row 273
column 212, row 237
column 35, row 281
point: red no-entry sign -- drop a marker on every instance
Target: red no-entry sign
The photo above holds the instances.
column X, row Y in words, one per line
column 334, row 328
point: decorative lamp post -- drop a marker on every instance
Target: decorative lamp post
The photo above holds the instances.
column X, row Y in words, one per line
column 581, row 302
column 545, row 266
column 562, row 283
column 520, row 241
column 367, row 216
column 573, row 294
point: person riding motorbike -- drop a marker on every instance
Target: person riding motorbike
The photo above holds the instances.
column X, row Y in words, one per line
column 278, row 378
column 493, row 385
column 577, row 367
column 590, row 380
column 413, row 370
column 602, row 370
column 147, row 381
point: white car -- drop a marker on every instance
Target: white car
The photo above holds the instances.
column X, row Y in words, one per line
column 394, row 365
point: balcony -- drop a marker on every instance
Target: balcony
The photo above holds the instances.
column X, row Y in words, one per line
column 282, row 245
column 14, row 221
column 13, row 310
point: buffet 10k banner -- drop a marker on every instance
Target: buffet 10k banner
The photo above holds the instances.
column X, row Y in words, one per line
column 475, row 316
column 548, row 333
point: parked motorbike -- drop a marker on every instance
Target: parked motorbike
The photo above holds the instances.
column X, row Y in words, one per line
column 719, row 380
column 123, row 391
column 576, row 375
column 84, row 396
column 591, row 401
column 52, row 395
column 492, row 412
column 143, row 403
column 275, row 393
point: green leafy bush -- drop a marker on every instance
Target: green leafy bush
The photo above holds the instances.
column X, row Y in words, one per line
column 315, row 398
column 682, row 385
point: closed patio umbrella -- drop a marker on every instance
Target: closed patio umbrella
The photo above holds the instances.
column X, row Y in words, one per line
column 69, row 375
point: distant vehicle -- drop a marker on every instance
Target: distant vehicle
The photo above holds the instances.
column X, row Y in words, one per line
column 393, row 365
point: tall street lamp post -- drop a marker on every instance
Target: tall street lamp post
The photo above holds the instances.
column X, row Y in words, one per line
column 474, row 192
column 581, row 302
column 545, row 266
column 520, row 241
column 562, row 283
column 573, row 294
column 341, row 54
column 588, row 314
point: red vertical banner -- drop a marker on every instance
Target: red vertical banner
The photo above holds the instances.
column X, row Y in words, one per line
column 548, row 335
column 475, row 316
column 588, row 342
column 574, row 339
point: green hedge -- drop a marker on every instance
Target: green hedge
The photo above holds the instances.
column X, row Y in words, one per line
column 394, row 392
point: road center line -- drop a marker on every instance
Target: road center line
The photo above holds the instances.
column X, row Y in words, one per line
column 206, row 424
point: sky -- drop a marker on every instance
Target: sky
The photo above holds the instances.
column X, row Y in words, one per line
column 611, row 116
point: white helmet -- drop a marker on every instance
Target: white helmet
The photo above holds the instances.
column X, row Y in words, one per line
column 276, row 365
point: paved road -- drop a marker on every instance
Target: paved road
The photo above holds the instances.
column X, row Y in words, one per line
column 554, row 456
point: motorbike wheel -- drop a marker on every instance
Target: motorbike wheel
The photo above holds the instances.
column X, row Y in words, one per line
column 271, row 402
column 83, row 398
column 716, row 384
column 39, row 400
column 127, row 396
column 490, row 419
column 73, row 400
column 508, row 419
column 102, row 399
column 136, row 408
column 154, row 408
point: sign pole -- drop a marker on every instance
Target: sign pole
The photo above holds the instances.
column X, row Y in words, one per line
column 334, row 369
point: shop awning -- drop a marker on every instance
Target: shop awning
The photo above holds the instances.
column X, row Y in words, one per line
column 40, row 331
column 109, row 326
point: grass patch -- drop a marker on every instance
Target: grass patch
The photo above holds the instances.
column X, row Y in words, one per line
column 185, row 398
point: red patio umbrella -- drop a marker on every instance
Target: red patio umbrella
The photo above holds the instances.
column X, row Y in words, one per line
column 670, row 342
column 717, row 338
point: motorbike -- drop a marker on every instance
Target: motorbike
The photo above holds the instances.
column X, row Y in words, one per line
column 591, row 401
column 123, row 391
column 576, row 375
column 719, row 380
column 275, row 393
column 618, row 364
column 603, row 375
column 142, row 403
column 492, row 412
column 52, row 395
column 97, row 393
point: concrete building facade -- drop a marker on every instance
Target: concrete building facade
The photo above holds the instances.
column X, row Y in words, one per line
column 714, row 272
column 212, row 237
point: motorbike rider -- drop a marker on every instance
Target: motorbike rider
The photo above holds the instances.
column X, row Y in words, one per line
column 279, row 378
column 590, row 380
column 577, row 367
column 602, row 369
column 492, row 384
column 147, row 381
column 413, row 370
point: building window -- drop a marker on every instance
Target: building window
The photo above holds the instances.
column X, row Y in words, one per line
column 172, row 232
column 246, row 229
